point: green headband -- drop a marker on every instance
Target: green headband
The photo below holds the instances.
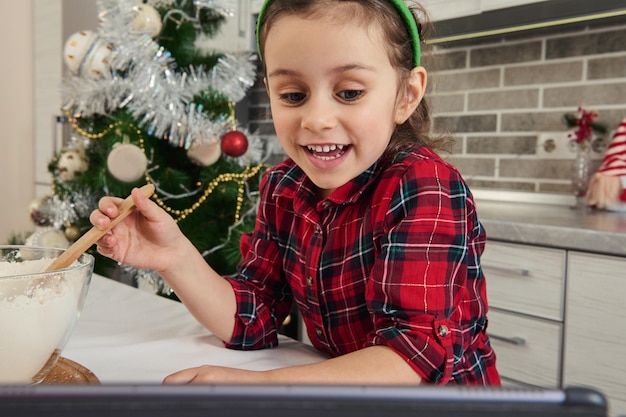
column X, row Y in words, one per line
column 402, row 8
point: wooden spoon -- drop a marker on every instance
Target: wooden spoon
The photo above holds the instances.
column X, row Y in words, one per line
column 72, row 253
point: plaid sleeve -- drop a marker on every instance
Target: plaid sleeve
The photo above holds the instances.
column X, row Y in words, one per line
column 422, row 301
column 263, row 295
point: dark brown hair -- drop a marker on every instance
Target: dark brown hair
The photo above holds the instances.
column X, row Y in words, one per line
column 416, row 130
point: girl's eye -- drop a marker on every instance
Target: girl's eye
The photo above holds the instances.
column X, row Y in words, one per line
column 292, row 98
column 350, row 95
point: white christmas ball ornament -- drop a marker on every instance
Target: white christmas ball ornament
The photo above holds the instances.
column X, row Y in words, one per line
column 127, row 162
column 205, row 154
column 147, row 20
column 48, row 237
column 86, row 54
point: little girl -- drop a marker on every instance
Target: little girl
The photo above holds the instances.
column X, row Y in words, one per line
column 364, row 227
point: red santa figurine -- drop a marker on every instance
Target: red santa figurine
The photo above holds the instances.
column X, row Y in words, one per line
column 607, row 188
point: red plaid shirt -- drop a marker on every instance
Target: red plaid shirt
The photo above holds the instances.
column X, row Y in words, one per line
column 391, row 258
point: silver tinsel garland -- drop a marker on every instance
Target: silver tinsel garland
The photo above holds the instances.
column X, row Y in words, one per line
column 153, row 88
column 69, row 210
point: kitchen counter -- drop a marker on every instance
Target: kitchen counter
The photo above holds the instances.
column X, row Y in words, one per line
column 554, row 225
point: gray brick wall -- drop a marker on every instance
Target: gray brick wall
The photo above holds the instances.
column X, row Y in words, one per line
column 502, row 100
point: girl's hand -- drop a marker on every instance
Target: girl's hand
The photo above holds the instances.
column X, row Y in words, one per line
column 214, row 374
column 148, row 238
column 371, row 365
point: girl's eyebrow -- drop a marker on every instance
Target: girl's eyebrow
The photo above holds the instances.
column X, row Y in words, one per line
column 283, row 73
column 338, row 70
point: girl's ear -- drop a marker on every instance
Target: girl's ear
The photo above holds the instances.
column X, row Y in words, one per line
column 415, row 90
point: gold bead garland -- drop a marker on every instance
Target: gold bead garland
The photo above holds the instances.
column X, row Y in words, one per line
column 240, row 179
column 100, row 135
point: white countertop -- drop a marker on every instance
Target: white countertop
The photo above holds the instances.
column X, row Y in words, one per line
column 125, row 335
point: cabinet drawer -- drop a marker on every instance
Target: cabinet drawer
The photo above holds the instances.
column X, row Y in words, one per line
column 525, row 279
column 527, row 350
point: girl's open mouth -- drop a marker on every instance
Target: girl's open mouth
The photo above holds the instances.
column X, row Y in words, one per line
column 327, row 152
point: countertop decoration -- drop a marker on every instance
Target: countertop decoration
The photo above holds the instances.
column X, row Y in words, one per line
column 584, row 126
column 607, row 187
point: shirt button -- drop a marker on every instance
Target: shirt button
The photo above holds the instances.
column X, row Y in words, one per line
column 443, row 330
column 309, row 281
column 326, row 204
column 318, row 332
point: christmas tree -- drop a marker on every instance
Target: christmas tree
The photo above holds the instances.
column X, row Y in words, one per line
column 144, row 104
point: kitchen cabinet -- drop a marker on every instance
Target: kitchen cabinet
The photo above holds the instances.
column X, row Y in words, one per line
column 527, row 349
column 595, row 325
column 525, row 290
column 557, row 318
column 448, row 9
column 525, row 279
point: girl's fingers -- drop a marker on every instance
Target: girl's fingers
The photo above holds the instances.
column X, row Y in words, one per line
column 181, row 377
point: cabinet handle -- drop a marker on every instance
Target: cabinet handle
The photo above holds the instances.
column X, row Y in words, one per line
column 517, row 341
column 516, row 271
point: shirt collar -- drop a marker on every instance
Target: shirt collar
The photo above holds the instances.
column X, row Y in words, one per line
column 296, row 184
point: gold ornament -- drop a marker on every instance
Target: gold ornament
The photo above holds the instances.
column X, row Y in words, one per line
column 72, row 232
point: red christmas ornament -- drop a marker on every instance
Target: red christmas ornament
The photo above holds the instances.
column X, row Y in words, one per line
column 234, row 143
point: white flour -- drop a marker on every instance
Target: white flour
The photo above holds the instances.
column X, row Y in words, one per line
column 34, row 316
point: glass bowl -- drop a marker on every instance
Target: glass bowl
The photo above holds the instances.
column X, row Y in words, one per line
column 38, row 310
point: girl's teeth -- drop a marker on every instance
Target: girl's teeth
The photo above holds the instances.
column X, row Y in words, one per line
column 326, row 152
column 325, row 148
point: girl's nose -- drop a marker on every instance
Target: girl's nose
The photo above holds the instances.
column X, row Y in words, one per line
column 318, row 114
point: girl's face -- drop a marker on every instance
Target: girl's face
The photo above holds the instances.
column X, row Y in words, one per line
column 334, row 95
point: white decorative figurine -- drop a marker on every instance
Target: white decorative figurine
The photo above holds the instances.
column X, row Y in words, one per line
column 72, row 162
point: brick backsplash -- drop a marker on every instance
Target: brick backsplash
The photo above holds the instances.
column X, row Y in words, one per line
column 500, row 98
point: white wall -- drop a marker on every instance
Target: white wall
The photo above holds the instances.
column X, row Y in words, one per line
column 32, row 35
column 55, row 21
column 16, row 116
column 47, row 34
